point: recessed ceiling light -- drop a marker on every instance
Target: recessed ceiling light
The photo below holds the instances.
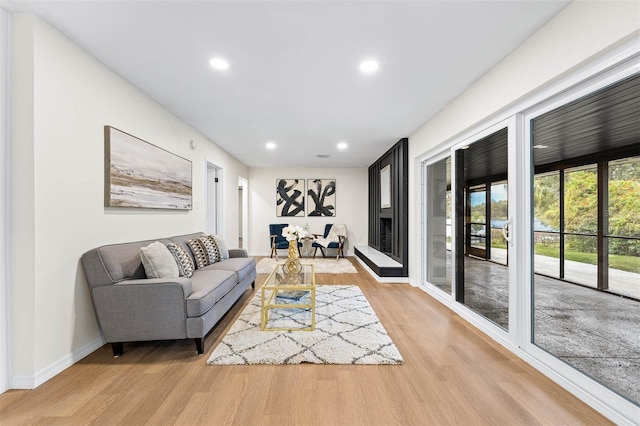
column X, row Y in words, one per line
column 219, row 63
column 369, row 66
column 342, row 146
column 270, row 145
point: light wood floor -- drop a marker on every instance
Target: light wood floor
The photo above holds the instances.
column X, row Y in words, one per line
column 452, row 374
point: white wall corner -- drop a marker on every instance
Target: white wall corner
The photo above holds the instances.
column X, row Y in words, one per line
column 5, row 225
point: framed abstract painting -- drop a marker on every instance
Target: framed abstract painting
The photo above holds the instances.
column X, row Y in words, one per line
column 290, row 197
column 321, row 197
column 140, row 174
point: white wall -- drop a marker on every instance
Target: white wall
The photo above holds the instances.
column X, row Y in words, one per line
column 580, row 32
column 62, row 98
column 351, row 204
column 4, row 203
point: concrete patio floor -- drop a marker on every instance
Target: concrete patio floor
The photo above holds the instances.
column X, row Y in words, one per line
column 593, row 331
column 620, row 282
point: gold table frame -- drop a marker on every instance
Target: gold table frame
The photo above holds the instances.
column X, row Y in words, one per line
column 277, row 282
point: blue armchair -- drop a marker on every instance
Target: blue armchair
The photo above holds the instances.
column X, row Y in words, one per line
column 334, row 237
column 277, row 240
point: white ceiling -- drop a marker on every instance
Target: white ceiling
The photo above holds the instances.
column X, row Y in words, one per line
column 293, row 76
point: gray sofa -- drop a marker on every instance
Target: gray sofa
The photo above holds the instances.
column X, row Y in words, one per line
column 130, row 307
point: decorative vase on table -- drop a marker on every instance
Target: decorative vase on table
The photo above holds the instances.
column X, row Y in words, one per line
column 292, row 265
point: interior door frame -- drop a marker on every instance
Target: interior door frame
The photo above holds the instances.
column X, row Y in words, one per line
column 244, row 216
column 214, row 185
column 5, row 207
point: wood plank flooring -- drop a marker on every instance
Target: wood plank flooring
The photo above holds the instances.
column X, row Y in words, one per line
column 452, row 374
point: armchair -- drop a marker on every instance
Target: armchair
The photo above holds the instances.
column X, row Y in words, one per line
column 277, row 240
column 334, row 237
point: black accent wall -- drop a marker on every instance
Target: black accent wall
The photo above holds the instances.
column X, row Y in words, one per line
column 388, row 227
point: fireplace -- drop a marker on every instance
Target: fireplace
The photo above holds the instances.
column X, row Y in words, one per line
column 386, row 235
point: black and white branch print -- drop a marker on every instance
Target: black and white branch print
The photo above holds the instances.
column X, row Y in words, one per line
column 290, row 197
column 321, row 197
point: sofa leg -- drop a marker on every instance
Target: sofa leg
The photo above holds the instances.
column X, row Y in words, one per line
column 253, row 285
column 118, row 349
column 199, row 345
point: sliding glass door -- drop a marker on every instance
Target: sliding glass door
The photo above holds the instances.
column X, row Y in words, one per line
column 586, row 235
column 438, row 238
column 532, row 228
column 482, row 225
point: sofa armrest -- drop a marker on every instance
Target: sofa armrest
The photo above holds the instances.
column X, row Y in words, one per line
column 238, row 253
column 143, row 309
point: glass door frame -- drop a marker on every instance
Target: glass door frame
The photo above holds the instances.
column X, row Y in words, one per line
column 469, row 247
column 425, row 164
column 574, row 380
column 516, row 305
column 497, row 332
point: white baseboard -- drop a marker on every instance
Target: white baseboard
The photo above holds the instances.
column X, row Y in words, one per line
column 32, row 382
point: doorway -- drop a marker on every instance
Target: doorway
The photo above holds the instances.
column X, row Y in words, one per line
column 243, row 219
column 214, row 199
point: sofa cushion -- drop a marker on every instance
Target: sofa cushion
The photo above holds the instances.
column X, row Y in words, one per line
column 158, row 261
column 183, row 260
column 241, row 266
column 207, row 287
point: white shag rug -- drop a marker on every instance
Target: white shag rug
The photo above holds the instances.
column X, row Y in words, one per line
column 347, row 332
column 321, row 265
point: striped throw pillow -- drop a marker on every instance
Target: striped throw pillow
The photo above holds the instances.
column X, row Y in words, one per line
column 200, row 253
column 212, row 248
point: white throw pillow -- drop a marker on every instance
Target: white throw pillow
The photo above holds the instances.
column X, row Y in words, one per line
column 222, row 247
column 158, row 261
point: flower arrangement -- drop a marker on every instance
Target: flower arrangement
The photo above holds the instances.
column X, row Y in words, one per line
column 292, row 233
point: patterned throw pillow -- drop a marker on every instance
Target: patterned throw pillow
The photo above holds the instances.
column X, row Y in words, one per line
column 200, row 253
column 184, row 261
column 212, row 248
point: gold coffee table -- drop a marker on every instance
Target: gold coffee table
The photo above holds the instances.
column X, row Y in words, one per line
column 280, row 291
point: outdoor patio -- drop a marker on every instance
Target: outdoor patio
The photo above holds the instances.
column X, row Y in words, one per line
column 594, row 331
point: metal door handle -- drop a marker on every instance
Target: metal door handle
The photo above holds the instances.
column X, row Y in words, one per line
column 505, row 231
